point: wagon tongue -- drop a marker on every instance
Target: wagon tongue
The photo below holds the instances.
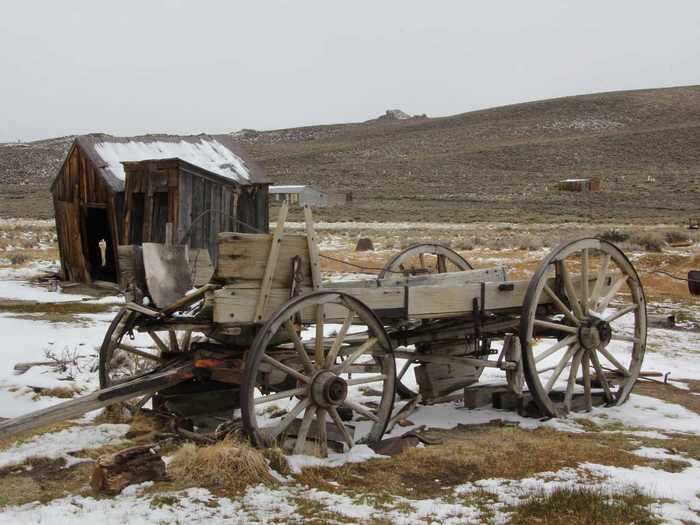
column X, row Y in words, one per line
column 139, row 386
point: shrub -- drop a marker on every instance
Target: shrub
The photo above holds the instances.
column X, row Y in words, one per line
column 649, row 241
column 676, row 236
column 614, row 236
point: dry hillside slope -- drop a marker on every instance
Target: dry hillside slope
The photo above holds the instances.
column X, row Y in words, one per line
column 495, row 164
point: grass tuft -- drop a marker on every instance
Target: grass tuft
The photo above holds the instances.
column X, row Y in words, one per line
column 582, row 505
column 229, row 465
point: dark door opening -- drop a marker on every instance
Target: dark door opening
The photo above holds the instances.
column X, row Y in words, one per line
column 99, row 245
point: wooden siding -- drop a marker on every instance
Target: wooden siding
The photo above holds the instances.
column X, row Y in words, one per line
column 199, row 204
column 76, row 188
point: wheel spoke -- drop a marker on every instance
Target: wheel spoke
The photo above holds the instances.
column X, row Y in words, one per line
column 158, row 341
column 136, row 351
column 361, row 410
column 280, row 395
column 570, row 290
column 319, row 334
column 441, row 263
column 287, row 369
column 404, row 369
column 335, row 347
column 304, row 429
column 584, row 281
column 341, row 426
column 586, row 368
column 363, row 348
column 620, row 313
column 560, row 367
column 628, row 338
column 366, row 380
column 186, row 339
column 560, row 305
column 322, row 432
column 300, row 348
column 602, row 274
column 272, row 434
column 556, row 326
column 173, row 341
column 601, row 377
column 603, row 303
column 558, row 346
column 573, row 372
column 614, row 361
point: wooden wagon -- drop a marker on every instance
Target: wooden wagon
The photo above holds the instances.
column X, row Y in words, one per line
column 268, row 348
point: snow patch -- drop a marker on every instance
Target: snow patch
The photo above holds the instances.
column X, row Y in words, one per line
column 61, row 444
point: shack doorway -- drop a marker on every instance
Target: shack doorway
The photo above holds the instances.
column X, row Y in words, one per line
column 99, row 245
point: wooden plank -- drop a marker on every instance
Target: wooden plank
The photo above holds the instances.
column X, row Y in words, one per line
column 241, row 254
column 271, row 265
column 431, row 279
column 236, row 305
column 313, row 241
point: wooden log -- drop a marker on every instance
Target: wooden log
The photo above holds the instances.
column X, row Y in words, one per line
column 114, row 472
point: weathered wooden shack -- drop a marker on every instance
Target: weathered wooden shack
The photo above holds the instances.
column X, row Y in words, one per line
column 124, row 190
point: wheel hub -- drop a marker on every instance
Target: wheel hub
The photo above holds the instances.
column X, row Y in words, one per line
column 327, row 389
column 593, row 333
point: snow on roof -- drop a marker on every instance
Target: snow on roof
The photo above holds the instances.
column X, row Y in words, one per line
column 293, row 188
column 206, row 153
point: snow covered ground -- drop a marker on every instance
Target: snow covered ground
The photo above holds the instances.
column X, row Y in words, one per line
column 27, row 339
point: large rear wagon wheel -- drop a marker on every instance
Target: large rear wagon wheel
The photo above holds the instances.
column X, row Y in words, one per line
column 420, row 259
column 591, row 333
column 305, row 386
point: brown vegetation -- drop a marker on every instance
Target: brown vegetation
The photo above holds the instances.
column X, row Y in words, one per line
column 229, row 465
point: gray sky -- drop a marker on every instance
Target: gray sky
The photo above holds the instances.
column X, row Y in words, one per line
column 137, row 66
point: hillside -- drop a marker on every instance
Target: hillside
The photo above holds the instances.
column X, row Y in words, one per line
column 495, row 164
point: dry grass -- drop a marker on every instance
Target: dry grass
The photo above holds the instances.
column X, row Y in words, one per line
column 687, row 398
column 479, row 452
column 61, row 392
column 589, row 506
column 41, row 479
column 229, row 465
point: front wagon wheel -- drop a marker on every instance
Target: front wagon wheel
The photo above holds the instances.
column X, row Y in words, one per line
column 310, row 385
column 583, row 326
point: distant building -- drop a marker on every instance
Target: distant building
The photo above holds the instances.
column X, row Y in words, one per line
column 114, row 191
column 301, row 195
column 579, row 185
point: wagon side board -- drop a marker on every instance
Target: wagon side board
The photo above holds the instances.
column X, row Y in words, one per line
column 237, row 305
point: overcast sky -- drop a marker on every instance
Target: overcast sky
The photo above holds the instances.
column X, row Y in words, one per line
column 138, row 66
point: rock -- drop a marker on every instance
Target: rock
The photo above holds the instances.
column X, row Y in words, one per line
column 113, row 472
column 364, row 244
column 395, row 114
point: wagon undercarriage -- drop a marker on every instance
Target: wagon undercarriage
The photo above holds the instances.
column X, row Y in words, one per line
column 268, row 349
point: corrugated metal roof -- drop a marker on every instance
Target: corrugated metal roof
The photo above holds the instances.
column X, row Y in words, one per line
column 217, row 154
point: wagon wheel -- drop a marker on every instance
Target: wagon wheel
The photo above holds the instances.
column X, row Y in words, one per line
column 425, row 258
column 415, row 260
column 595, row 326
column 130, row 350
column 302, row 392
